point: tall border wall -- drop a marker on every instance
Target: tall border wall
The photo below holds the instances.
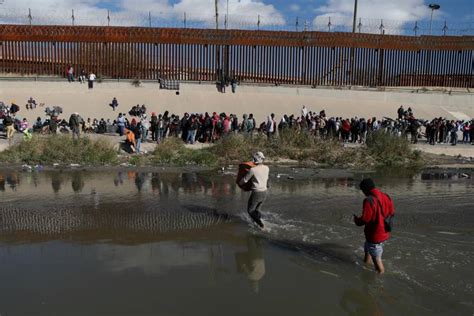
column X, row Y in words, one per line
column 294, row 58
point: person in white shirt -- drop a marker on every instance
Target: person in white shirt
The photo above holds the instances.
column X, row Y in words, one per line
column 304, row 111
column 91, row 80
column 258, row 176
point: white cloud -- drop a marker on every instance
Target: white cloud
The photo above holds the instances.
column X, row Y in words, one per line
column 241, row 12
column 394, row 13
column 131, row 12
column 294, row 7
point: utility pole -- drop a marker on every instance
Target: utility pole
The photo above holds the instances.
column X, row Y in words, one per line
column 355, row 17
column 433, row 7
column 351, row 69
column 227, row 15
column 217, row 13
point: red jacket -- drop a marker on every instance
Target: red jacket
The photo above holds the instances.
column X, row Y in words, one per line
column 376, row 207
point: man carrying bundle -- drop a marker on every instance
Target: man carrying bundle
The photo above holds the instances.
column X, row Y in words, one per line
column 257, row 177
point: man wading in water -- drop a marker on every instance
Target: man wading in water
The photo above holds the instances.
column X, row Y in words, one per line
column 258, row 176
column 377, row 210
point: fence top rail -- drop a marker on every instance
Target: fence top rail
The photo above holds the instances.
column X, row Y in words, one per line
column 107, row 34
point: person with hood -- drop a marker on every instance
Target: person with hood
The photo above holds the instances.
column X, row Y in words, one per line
column 376, row 216
column 258, row 176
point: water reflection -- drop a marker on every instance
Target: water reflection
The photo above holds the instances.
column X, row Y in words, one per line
column 77, row 182
column 252, row 262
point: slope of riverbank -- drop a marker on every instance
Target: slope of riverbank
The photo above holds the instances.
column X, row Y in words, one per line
column 259, row 100
column 108, row 150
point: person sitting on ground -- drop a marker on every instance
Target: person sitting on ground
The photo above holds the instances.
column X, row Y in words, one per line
column 102, row 127
column 114, row 103
column 27, row 135
column 14, row 108
column 31, row 104
column 88, row 126
column 23, row 125
column 38, row 126
column 82, row 76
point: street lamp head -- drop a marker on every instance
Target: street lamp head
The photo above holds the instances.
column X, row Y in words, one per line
column 434, row 6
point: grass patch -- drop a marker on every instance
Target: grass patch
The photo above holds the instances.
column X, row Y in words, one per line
column 173, row 152
column 62, row 149
column 392, row 151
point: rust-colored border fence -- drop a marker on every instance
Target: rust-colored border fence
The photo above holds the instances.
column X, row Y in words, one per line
column 299, row 58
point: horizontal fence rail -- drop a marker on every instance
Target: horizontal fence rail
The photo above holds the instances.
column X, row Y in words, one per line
column 298, row 58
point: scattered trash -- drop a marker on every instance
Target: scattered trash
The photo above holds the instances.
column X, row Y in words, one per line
column 26, row 167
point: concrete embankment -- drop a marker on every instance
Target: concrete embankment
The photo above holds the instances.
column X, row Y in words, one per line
column 260, row 100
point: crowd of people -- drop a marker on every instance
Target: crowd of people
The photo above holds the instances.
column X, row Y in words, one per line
column 140, row 127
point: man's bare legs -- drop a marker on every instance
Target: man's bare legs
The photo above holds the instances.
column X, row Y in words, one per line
column 377, row 261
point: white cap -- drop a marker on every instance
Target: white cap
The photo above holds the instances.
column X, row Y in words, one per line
column 258, row 157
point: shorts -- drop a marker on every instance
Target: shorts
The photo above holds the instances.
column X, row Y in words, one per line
column 375, row 250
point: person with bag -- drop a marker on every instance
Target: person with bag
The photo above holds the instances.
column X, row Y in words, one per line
column 377, row 215
column 257, row 175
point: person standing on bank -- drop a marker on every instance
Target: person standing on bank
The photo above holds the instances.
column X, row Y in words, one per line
column 258, row 176
column 376, row 214
column 91, row 80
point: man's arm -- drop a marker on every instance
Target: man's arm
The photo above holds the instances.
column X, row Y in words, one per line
column 247, row 177
column 367, row 210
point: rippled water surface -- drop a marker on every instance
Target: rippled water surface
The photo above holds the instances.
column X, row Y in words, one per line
column 179, row 243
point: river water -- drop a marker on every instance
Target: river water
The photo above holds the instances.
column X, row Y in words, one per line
column 179, row 243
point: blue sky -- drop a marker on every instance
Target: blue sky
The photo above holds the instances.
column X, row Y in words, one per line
column 397, row 14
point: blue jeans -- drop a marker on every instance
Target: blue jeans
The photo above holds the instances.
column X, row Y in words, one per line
column 139, row 143
column 121, row 130
column 375, row 250
column 191, row 136
column 159, row 135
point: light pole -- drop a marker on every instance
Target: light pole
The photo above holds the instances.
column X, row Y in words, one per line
column 355, row 17
column 433, row 7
